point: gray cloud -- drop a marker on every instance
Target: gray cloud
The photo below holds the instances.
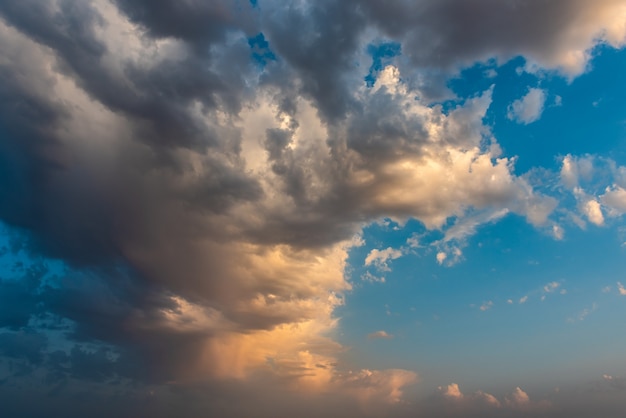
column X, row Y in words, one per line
column 450, row 34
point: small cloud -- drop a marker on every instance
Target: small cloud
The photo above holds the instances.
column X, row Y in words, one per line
column 523, row 299
column 618, row 383
column 621, row 289
column 591, row 208
column 450, row 257
column 380, row 335
column 509, row 301
column 518, row 398
column 583, row 314
column 370, row 278
column 413, row 241
column 451, row 391
column 381, row 258
column 606, row 289
column 558, row 100
column 558, row 232
column 529, row 108
column 486, row 306
column 569, row 172
column 551, row 287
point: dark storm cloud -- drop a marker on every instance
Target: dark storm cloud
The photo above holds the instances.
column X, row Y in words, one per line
column 159, row 96
column 318, row 40
column 200, row 23
column 23, row 345
column 448, row 34
column 18, row 299
column 39, row 190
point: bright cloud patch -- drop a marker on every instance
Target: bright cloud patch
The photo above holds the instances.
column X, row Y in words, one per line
column 529, row 108
column 379, row 258
column 380, row 335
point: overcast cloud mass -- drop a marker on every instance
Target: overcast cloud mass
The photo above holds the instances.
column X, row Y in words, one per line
column 183, row 185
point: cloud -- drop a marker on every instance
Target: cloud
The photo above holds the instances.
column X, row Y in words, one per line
column 451, row 391
column 529, row 108
column 518, row 398
column 379, row 335
column 558, row 232
column 369, row 277
column 618, row 383
column 481, row 403
column 444, row 34
column 486, row 306
column 380, row 258
column 551, row 287
column 450, row 254
column 615, row 199
column 584, row 176
column 591, row 208
column 621, row 289
column 582, row 315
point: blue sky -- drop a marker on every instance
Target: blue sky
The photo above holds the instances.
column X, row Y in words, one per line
column 434, row 311
column 312, row 209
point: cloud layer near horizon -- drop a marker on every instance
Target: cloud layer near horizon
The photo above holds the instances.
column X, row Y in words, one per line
column 202, row 169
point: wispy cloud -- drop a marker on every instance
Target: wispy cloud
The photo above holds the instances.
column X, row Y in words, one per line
column 378, row 335
column 486, row 306
column 380, row 258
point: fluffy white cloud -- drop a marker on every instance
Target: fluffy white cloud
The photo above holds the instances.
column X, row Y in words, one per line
column 592, row 210
column 614, row 198
column 529, row 108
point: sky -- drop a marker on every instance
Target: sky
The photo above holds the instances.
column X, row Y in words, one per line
column 312, row 208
